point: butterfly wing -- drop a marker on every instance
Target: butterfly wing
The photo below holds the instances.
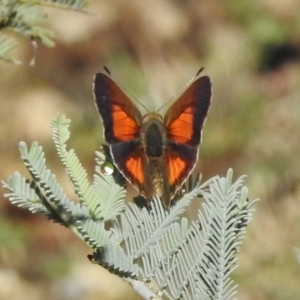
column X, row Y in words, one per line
column 129, row 158
column 180, row 161
column 121, row 118
column 122, row 123
column 183, row 122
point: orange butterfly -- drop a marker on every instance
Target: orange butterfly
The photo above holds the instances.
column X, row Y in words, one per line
column 155, row 154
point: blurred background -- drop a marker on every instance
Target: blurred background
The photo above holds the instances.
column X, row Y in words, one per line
column 251, row 51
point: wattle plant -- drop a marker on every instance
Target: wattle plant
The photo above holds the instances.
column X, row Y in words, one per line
column 188, row 259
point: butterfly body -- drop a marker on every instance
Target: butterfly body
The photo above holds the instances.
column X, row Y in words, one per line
column 154, row 142
column 156, row 154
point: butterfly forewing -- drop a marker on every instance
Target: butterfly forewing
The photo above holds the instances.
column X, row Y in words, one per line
column 121, row 118
column 185, row 118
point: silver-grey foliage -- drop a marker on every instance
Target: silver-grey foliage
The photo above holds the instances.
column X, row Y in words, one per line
column 182, row 258
column 25, row 18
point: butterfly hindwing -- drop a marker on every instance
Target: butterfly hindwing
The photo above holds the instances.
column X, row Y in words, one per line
column 180, row 161
column 128, row 156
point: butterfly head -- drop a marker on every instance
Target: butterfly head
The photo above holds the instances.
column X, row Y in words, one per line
column 152, row 115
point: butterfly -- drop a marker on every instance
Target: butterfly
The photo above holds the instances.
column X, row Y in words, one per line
column 155, row 154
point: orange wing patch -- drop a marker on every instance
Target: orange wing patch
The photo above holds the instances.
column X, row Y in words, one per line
column 135, row 168
column 124, row 128
column 181, row 129
column 176, row 166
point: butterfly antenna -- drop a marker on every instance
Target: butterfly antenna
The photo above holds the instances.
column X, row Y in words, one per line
column 140, row 103
column 199, row 72
column 125, row 90
column 107, row 70
column 184, row 88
